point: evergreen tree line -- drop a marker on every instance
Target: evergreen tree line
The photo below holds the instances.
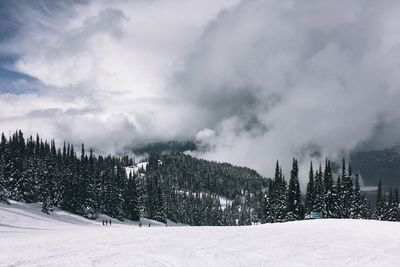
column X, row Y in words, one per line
column 331, row 199
column 36, row 171
column 176, row 186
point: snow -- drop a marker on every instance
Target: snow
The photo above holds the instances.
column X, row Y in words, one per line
column 29, row 237
column 136, row 168
column 368, row 188
column 29, row 216
column 224, row 201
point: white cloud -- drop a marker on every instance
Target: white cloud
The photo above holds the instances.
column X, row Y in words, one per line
column 112, row 61
column 253, row 81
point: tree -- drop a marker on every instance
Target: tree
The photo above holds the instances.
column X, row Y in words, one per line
column 267, row 215
column 346, row 190
column 392, row 210
column 337, row 199
column 310, row 195
column 175, row 186
column 3, row 178
column 319, row 193
column 379, row 213
column 294, row 206
column 396, row 203
column 331, row 197
column 131, row 205
column 359, row 207
column 328, row 178
column 46, row 172
column 279, row 195
column 88, row 172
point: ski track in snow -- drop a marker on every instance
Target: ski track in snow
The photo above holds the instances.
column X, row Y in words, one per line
column 30, row 238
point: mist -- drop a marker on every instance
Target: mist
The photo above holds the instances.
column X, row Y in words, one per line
column 283, row 79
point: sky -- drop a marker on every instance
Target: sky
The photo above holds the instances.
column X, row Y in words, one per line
column 252, row 81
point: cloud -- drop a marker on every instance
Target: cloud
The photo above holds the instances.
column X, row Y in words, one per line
column 251, row 81
column 102, row 69
column 310, row 79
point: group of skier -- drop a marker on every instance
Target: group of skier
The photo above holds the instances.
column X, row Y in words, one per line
column 140, row 224
column 106, row 222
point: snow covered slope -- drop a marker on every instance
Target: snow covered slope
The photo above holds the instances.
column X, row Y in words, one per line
column 134, row 169
column 29, row 216
column 28, row 237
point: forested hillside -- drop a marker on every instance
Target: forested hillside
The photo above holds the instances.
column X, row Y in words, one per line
column 177, row 187
column 193, row 189
column 383, row 164
column 371, row 165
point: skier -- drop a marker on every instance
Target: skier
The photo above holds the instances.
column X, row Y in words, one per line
column 106, row 222
column 140, row 224
column 149, row 224
column 103, row 222
column 110, row 222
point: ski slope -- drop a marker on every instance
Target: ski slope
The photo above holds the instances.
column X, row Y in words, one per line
column 29, row 237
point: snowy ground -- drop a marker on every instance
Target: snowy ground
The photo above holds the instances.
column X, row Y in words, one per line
column 28, row 237
column 136, row 168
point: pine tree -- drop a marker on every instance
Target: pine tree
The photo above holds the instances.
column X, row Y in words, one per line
column 116, row 190
column 244, row 218
column 358, row 205
column 3, row 191
column 131, row 206
column 392, row 210
column 346, row 190
column 337, row 199
column 294, row 196
column 88, row 171
column 3, row 179
column 28, row 181
column 330, row 193
column 396, row 203
column 319, row 193
column 267, row 215
column 310, row 195
column 13, row 166
column 328, row 178
column 380, row 203
column 279, row 195
column 47, row 182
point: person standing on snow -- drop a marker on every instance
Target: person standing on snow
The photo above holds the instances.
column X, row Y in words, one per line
column 110, row 222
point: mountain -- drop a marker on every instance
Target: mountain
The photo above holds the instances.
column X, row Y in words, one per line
column 380, row 164
column 164, row 147
column 372, row 165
